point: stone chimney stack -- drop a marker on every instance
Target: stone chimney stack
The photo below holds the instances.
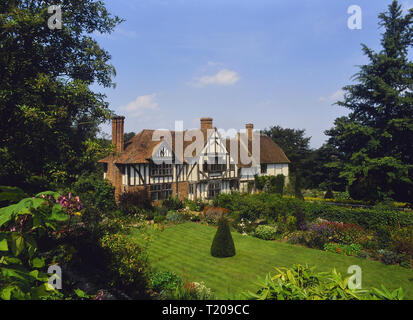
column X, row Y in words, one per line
column 206, row 123
column 250, row 128
column 117, row 132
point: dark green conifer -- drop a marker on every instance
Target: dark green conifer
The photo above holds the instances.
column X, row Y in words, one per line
column 223, row 244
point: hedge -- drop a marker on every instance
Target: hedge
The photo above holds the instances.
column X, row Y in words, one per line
column 256, row 206
column 368, row 218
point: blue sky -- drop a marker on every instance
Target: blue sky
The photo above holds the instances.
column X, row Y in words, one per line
column 279, row 62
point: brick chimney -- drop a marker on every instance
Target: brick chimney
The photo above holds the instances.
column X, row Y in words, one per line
column 117, row 132
column 249, row 127
column 206, row 123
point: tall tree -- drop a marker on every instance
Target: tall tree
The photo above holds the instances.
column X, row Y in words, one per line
column 375, row 140
column 49, row 114
column 321, row 174
column 293, row 142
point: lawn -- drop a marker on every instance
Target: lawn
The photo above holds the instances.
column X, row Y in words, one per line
column 185, row 249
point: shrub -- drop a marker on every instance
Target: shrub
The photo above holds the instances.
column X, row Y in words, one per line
column 317, row 236
column 405, row 263
column 149, row 214
column 265, row 232
column 345, row 233
column 297, row 238
column 164, row 282
column 192, row 291
column 159, row 219
column 244, row 226
column 22, row 227
column 382, row 236
column 368, row 218
column 349, row 250
column 10, row 195
column 270, row 184
column 279, row 183
column 127, row 264
column 175, row 217
column 194, row 217
column 129, row 202
column 95, row 192
column 160, row 211
column 299, row 214
column 303, row 283
column 172, row 203
column 270, row 206
column 223, row 244
column 402, row 241
column 213, row 214
column 362, row 254
column 98, row 199
column 196, row 205
column 389, row 257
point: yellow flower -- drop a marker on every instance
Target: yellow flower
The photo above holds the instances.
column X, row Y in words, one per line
column 77, row 214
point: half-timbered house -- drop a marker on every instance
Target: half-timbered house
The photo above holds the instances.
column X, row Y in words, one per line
column 151, row 161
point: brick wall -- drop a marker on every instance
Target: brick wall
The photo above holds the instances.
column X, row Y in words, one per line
column 183, row 188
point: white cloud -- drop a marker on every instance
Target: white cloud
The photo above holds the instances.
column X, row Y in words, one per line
column 338, row 95
column 224, row 77
column 141, row 104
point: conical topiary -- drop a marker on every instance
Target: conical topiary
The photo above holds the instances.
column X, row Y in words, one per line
column 223, row 244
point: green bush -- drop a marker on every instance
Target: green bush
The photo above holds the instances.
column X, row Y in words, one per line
column 172, row 203
column 159, row 219
column 271, row 184
column 98, row 200
column 212, row 215
column 127, row 264
column 175, row 217
column 303, row 283
column 367, row 218
column 390, row 257
column 223, row 244
column 95, row 192
column 160, row 211
column 301, row 223
column 266, row 232
column 278, row 184
column 346, row 249
column 130, row 202
column 402, row 241
column 10, row 195
column 22, row 227
column 255, row 206
column 164, row 282
column 197, row 205
column 192, row 291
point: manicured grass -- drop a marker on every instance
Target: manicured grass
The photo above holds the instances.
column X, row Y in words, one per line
column 185, row 249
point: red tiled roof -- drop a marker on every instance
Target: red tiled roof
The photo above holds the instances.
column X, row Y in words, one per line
column 140, row 148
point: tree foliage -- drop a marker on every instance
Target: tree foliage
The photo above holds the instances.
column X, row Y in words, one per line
column 50, row 116
column 375, row 141
column 294, row 144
